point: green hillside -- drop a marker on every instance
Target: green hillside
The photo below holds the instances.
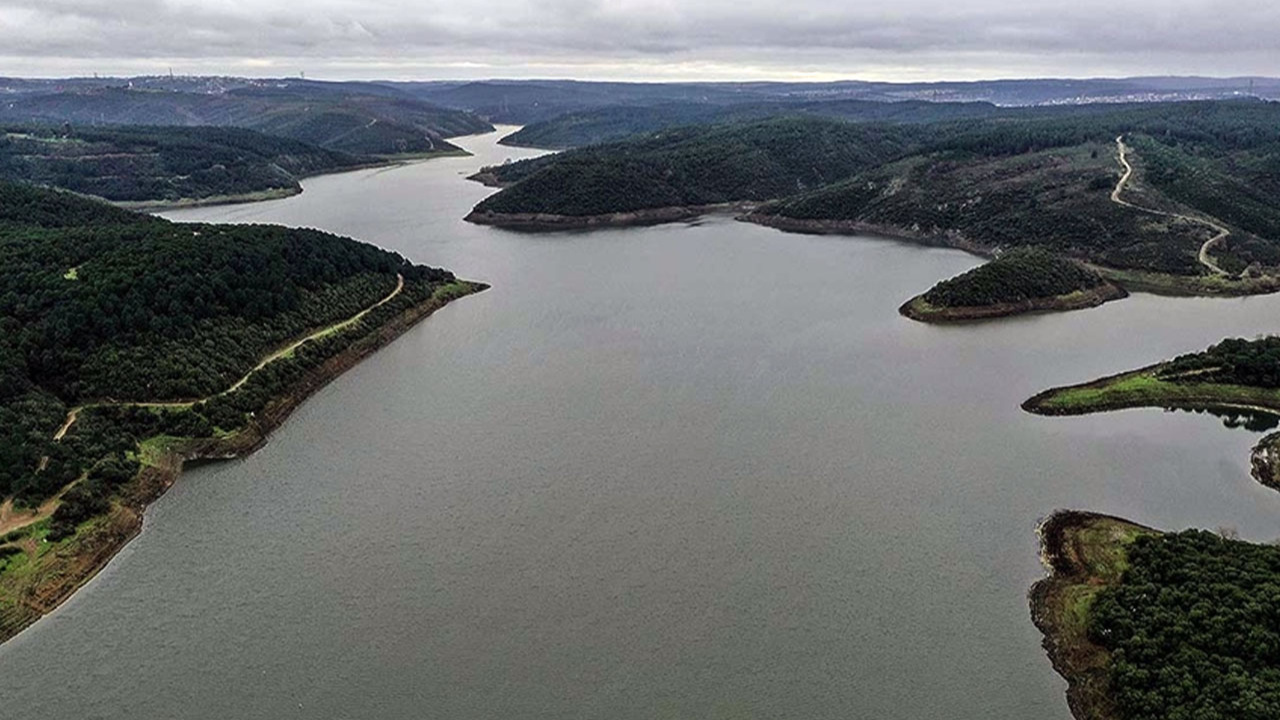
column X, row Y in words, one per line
column 103, row 305
column 695, row 166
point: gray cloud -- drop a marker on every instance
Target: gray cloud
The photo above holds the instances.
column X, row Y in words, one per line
column 642, row 38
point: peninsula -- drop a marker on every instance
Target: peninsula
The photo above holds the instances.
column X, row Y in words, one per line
column 1146, row 625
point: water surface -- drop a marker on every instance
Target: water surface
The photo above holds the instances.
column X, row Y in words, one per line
column 689, row 471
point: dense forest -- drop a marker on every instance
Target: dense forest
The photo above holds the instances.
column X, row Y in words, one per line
column 351, row 118
column 148, row 164
column 100, row 305
column 1234, row 361
column 1193, row 629
column 1015, row 276
column 695, row 166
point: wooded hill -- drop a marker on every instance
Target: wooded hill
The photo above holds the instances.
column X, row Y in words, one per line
column 150, row 164
column 1041, row 178
column 358, row 119
column 99, row 304
column 695, row 166
column 1018, row 275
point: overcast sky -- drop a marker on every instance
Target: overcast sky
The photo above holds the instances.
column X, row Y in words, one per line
column 642, row 39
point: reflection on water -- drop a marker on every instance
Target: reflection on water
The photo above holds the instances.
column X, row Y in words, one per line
column 1246, row 419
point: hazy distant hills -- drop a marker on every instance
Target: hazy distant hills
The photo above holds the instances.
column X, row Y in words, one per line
column 358, row 118
column 524, row 102
column 399, row 117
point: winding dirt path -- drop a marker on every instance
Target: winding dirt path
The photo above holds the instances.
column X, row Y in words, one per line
column 11, row 520
column 1222, row 232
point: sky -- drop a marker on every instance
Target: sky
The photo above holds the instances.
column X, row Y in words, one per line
column 904, row 40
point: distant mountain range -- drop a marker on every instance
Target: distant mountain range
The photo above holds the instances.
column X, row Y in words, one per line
column 361, row 118
column 527, row 101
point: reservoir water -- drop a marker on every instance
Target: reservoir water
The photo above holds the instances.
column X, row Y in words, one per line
column 690, row 471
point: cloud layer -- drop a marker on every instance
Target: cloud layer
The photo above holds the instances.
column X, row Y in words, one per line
column 903, row 39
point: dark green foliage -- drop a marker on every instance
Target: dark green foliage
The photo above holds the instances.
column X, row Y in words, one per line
column 156, row 311
column 1233, row 361
column 1193, row 629
column 162, row 163
column 696, row 166
column 1015, row 276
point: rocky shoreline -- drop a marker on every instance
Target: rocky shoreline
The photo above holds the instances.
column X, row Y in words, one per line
column 75, row 565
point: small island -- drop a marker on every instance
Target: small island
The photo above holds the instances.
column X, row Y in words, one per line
column 1146, row 625
column 1020, row 281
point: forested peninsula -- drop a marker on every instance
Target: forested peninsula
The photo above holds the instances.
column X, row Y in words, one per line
column 1021, row 280
column 130, row 344
column 1146, row 625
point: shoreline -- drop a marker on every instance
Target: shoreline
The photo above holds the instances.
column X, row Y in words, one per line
column 1195, row 397
column 1056, row 601
column 948, row 239
column 73, row 567
column 387, row 161
column 918, row 309
column 1141, row 388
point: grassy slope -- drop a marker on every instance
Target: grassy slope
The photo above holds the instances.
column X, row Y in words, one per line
column 1085, row 554
column 1143, row 388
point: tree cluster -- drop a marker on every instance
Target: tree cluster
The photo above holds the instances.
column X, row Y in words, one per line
column 1234, row 361
column 1015, row 276
column 1193, row 629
